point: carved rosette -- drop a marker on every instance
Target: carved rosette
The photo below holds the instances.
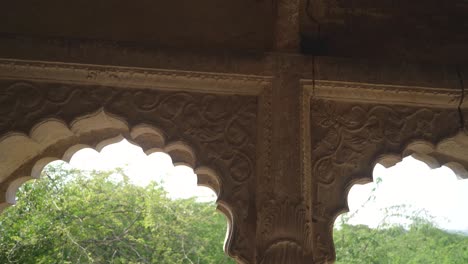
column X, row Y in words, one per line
column 348, row 139
column 221, row 130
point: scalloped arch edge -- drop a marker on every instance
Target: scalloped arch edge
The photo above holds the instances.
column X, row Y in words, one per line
column 52, row 139
column 451, row 152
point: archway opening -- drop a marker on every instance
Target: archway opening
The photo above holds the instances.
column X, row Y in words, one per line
column 88, row 211
column 410, row 213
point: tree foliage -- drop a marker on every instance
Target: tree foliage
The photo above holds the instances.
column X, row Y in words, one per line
column 74, row 216
column 422, row 243
column 71, row 216
column 404, row 236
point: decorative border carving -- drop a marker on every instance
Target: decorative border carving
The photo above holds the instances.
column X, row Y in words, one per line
column 131, row 77
column 306, row 148
column 383, row 94
column 264, row 138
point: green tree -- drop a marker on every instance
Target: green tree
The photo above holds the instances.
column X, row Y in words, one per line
column 422, row 243
column 73, row 216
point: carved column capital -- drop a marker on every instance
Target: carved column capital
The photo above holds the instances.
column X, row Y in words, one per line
column 283, row 215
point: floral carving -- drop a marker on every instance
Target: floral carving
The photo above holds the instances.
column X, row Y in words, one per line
column 220, row 127
column 350, row 135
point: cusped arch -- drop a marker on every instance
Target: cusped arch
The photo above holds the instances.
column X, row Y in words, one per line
column 451, row 152
column 23, row 157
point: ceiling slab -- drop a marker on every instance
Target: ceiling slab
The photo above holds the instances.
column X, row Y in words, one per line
column 188, row 24
column 423, row 30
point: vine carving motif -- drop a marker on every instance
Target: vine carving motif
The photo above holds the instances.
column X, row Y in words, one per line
column 356, row 133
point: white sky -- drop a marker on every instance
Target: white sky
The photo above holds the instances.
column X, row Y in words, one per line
column 437, row 192
column 179, row 181
column 433, row 192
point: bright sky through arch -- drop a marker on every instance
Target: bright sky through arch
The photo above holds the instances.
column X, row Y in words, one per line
column 438, row 193
column 179, row 181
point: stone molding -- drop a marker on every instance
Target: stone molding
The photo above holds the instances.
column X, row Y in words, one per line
column 132, row 77
column 383, row 94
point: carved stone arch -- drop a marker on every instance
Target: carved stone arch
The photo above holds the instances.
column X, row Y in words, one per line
column 433, row 156
column 214, row 134
column 350, row 134
column 52, row 139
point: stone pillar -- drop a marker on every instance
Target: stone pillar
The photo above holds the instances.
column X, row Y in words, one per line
column 283, row 224
column 283, row 217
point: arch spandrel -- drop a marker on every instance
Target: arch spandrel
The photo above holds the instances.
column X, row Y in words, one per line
column 214, row 134
column 349, row 138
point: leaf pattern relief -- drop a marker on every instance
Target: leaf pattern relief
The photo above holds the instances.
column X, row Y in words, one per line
column 221, row 128
column 346, row 136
